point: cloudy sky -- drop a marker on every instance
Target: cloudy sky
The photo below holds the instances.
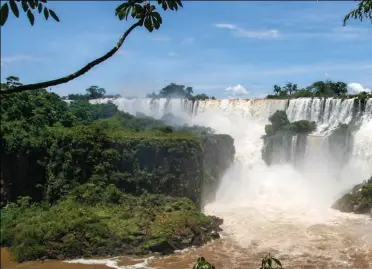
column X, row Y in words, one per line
column 220, row 48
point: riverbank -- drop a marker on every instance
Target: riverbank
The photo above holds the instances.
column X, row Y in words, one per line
column 7, row 262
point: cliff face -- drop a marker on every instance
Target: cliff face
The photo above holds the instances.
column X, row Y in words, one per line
column 284, row 147
column 183, row 166
column 219, row 152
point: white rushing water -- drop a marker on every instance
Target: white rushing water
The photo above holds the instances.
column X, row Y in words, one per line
column 280, row 207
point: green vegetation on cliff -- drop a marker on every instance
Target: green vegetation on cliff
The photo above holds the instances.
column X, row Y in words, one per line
column 101, row 180
column 98, row 220
column 358, row 200
column 285, row 141
column 280, row 123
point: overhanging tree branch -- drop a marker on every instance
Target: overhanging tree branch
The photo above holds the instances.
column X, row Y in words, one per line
column 80, row 72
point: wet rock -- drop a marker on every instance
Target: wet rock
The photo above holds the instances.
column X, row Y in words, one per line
column 214, row 235
column 358, row 200
column 164, row 247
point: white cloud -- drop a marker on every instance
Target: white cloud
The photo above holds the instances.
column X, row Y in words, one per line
column 240, row 32
column 172, row 54
column 237, row 90
column 18, row 58
column 256, row 34
column 226, row 26
column 355, row 87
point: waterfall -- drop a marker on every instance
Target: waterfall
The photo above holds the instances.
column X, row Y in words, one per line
column 327, row 113
column 245, row 119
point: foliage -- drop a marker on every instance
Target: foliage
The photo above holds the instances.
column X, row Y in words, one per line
column 279, row 122
column 316, row 89
column 364, row 9
column 28, row 7
column 202, row 97
column 97, row 220
column 145, row 13
column 64, row 145
column 202, row 263
column 93, row 92
column 268, row 262
column 76, row 160
column 358, row 200
column 174, row 90
column 40, row 108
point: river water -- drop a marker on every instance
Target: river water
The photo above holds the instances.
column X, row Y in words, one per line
column 344, row 241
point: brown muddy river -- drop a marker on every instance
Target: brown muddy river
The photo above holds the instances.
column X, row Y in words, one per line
column 313, row 241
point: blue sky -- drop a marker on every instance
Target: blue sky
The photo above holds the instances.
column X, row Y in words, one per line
column 221, row 48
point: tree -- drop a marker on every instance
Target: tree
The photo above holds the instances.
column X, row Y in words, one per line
column 174, row 90
column 95, row 92
column 364, row 10
column 142, row 11
column 319, row 88
column 338, row 89
column 189, row 91
column 12, row 82
column 277, row 89
column 290, row 88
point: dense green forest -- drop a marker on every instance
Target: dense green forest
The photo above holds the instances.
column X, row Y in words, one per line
column 317, row 89
column 81, row 179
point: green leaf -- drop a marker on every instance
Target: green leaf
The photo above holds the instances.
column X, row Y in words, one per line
column 179, row 3
column 31, row 17
column 54, row 15
column 269, row 261
column 277, row 261
column 148, row 25
column 119, row 9
column 46, row 13
column 14, row 8
column 40, row 7
column 24, row 5
column 31, row 3
column 158, row 17
column 164, row 5
column 4, row 14
column 133, row 12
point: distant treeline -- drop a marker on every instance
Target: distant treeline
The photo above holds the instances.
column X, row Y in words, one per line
column 174, row 90
column 317, row 89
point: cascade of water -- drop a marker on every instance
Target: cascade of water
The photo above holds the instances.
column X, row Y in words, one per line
column 328, row 113
column 362, row 148
column 245, row 120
